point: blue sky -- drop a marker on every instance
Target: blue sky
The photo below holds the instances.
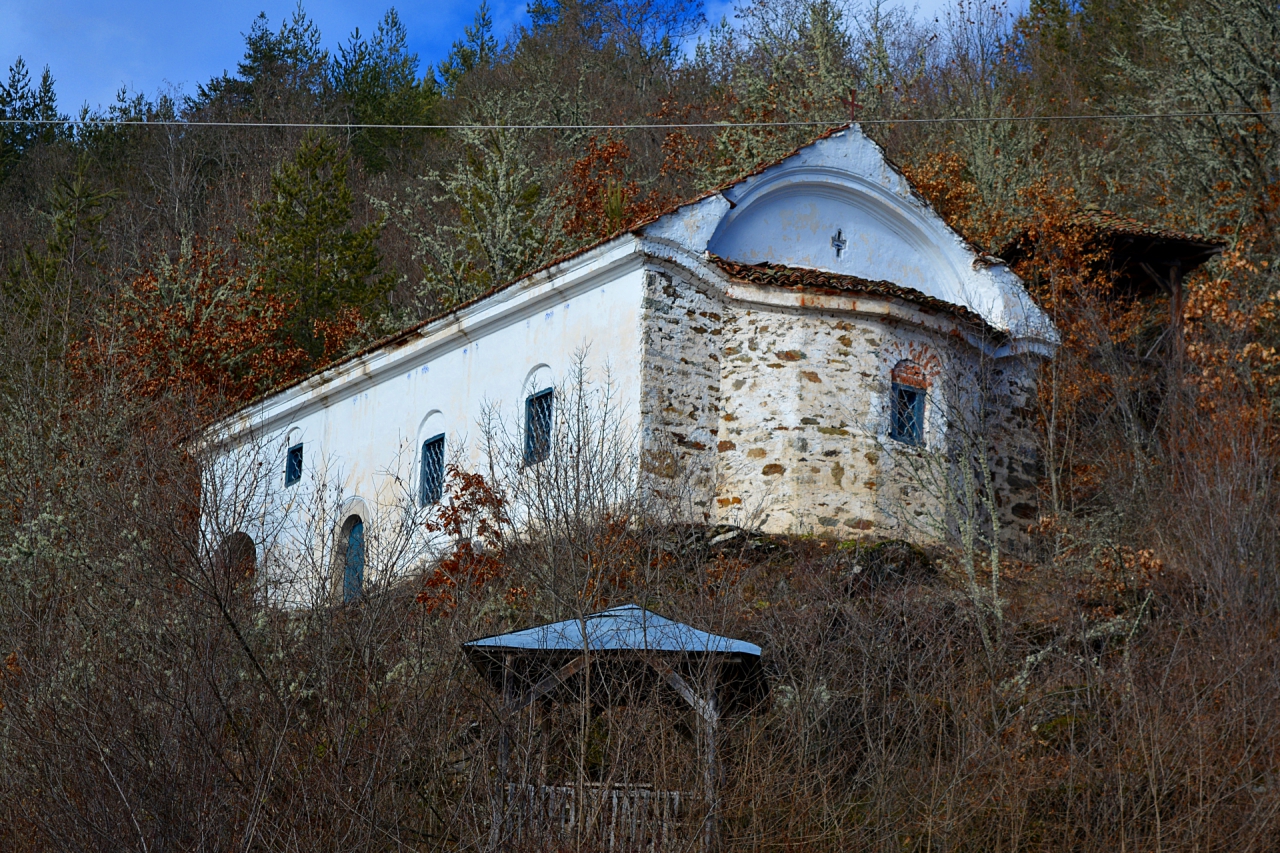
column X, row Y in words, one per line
column 94, row 48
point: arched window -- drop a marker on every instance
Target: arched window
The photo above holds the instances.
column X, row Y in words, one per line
column 906, row 403
column 431, row 475
column 293, row 465
column 538, row 409
column 431, row 447
column 353, row 562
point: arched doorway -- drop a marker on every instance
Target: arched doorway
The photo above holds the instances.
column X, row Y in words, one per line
column 353, row 559
column 237, row 558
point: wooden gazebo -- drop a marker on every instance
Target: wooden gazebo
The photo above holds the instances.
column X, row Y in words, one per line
column 1142, row 260
column 608, row 659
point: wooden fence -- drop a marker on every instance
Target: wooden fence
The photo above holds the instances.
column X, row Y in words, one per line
column 614, row 818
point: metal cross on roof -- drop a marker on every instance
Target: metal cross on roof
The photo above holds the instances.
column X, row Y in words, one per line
column 852, row 103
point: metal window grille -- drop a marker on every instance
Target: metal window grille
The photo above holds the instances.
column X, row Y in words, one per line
column 293, row 465
column 431, row 481
column 906, row 421
column 353, row 565
column 537, row 426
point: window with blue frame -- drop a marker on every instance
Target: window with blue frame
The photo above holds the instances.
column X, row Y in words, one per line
column 906, row 403
column 353, row 564
column 907, row 422
column 537, row 426
column 431, row 475
column 293, row 465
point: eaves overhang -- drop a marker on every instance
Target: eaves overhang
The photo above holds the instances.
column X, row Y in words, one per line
column 809, row 289
column 415, row 346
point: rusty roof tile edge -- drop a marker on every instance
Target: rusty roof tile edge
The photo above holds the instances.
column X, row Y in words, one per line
column 1119, row 223
column 410, row 331
column 732, row 182
column 631, row 229
column 1105, row 222
column 775, row 275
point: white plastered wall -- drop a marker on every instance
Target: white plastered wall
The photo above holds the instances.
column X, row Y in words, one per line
column 362, row 423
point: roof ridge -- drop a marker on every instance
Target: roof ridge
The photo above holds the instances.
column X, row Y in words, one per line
column 629, row 229
column 1105, row 220
column 770, row 274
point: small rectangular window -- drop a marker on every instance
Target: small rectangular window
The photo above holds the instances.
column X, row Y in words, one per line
column 293, row 465
column 537, row 426
column 431, row 479
column 906, row 420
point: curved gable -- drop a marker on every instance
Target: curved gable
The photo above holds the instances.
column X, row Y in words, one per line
column 839, row 223
column 838, row 205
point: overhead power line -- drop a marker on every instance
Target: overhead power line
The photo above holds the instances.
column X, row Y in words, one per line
column 90, row 122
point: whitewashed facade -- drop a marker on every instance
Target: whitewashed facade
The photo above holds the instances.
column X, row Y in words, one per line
column 752, row 337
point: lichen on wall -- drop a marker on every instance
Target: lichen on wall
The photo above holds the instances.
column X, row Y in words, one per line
column 1017, row 465
column 681, row 351
column 777, row 417
column 803, row 417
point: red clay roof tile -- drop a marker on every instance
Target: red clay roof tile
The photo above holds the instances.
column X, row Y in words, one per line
column 803, row 278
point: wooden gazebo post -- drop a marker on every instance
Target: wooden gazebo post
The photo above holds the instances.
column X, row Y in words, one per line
column 711, row 832
column 500, row 798
column 708, row 711
column 629, row 636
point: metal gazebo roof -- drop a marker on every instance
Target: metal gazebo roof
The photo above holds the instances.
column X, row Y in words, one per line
column 627, row 643
column 626, row 628
column 614, row 658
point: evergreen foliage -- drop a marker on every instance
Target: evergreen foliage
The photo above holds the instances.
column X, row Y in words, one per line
column 378, row 79
column 308, row 250
column 476, row 49
column 289, row 59
column 501, row 219
column 22, row 106
column 472, row 210
column 294, row 47
column 154, row 276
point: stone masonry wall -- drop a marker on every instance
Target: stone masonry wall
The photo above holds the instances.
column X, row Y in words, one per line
column 680, row 395
column 778, row 417
column 803, row 433
column 1017, row 466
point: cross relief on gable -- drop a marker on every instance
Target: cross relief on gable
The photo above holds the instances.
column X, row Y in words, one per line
column 838, row 242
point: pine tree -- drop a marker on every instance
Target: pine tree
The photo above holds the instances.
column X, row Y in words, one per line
column 295, row 46
column 476, row 49
column 309, row 251
column 290, row 58
column 26, row 109
column 378, row 78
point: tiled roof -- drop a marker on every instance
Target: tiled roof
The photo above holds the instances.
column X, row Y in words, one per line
column 803, row 278
column 414, row 331
column 719, row 188
column 831, row 281
column 1107, row 222
column 1124, row 235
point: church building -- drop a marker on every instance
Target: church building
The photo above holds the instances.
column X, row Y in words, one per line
column 788, row 350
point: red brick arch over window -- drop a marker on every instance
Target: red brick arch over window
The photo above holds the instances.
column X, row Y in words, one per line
column 907, row 372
